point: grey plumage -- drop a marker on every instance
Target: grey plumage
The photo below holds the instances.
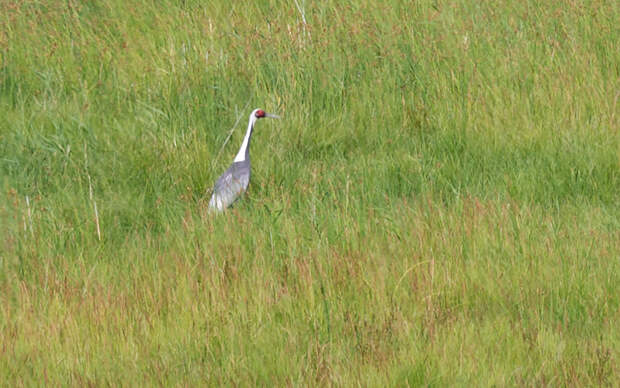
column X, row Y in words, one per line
column 235, row 180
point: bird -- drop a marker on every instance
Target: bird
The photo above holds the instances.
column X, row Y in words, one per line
column 235, row 180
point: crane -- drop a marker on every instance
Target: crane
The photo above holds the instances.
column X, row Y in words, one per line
column 235, row 180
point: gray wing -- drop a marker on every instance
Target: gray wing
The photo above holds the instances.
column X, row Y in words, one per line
column 233, row 182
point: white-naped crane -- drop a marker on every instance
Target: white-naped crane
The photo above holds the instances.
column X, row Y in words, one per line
column 235, row 180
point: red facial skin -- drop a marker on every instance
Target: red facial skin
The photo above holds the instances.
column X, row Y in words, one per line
column 260, row 113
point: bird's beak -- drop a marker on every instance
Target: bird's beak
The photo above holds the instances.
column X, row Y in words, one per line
column 272, row 116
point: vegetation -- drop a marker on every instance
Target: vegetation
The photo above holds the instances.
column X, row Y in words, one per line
column 438, row 205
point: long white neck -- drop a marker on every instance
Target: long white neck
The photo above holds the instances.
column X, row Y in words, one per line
column 244, row 151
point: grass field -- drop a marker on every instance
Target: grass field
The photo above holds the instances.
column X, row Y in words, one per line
column 438, row 206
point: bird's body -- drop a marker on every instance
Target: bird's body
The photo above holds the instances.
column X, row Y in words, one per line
column 230, row 185
column 235, row 180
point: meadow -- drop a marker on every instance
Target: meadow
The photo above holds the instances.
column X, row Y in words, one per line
column 438, row 206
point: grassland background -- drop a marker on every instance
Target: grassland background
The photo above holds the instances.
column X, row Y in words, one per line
column 438, row 205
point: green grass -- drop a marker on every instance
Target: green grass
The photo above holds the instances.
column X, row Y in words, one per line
column 438, row 206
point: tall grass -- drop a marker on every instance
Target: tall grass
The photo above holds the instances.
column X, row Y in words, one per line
column 439, row 205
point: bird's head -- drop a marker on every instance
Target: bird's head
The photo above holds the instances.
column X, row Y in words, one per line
column 259, row 114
